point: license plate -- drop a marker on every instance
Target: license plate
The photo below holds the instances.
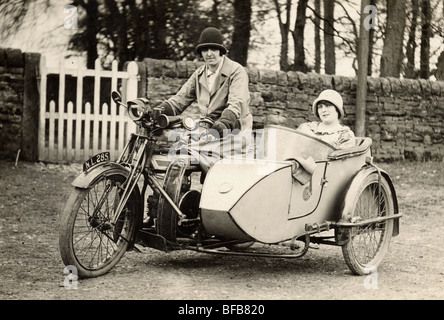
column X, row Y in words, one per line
column 95, row 160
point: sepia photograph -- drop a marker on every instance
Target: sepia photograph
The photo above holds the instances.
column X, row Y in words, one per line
column 221, row 159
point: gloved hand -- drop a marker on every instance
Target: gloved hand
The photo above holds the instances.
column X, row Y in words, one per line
column 163, row 108
column 227, row 121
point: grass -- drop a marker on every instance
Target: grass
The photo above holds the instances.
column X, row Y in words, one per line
column 419, row 186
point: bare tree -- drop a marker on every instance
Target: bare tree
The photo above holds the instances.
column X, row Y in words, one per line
column 13, row 14
column 317, row 39
column 298, row 37
column 241, row 33
column 426, row 34
column 329, row 40
column 361, row 93
column 284, row 29
column 392, row 54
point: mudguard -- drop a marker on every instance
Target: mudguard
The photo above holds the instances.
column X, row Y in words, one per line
column 356, row 182
column 85, row 180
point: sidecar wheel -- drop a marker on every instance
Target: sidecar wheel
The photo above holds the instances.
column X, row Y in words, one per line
column 87, row 238
column 368, row 245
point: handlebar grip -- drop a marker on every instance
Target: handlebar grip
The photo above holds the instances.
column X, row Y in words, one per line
column 164, row 121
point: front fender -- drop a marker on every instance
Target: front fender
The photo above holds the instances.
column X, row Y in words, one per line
column 85, row 180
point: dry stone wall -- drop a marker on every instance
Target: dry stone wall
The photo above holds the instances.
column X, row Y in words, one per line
column 19, row 104
column 405, row 118
column 11, row 100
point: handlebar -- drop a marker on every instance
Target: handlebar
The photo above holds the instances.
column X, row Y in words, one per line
column 164, row 121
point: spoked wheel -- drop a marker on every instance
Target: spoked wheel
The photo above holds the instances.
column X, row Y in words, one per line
column 91, row 239
column 368, row 245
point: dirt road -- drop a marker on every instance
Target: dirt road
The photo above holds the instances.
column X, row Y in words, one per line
column 32, row 195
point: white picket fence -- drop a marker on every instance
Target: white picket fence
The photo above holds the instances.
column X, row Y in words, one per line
column 66, row 136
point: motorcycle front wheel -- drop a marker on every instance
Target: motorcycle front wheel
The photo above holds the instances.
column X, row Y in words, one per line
column 89, row 239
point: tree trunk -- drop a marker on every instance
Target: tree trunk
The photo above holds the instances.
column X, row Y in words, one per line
column 392, row 56
column 361, row 91
column 426, row 34
column 411, row 42
column 440, row 68
column 371, row 42
column 241, row 34
column 317, row 23
column 160, row 30
column 284, row 29
column 91, row 33
column 298, row 37
column 329, row 41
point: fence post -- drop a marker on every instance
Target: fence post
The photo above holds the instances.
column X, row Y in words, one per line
column 131, row 87
column 61, row 112
column 30, row 118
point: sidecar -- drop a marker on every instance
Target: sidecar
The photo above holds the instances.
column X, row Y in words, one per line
column 295, row 188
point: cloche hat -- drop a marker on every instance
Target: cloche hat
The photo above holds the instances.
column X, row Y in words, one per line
column 331, row 96
column 211, row 37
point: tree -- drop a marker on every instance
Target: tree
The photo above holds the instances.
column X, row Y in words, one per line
column 13, row 15
column 86, row 39
column 133, row 30
column 440, row 68
column 317, row 37
column 284, row 28
column 411, row 42
column 298, row 37
column 392, row 54
column 361, row 93
column 329, row 40
column 241, row 33
column 426, row 34
column 371, row 42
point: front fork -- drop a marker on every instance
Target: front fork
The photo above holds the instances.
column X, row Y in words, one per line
column 136, row 159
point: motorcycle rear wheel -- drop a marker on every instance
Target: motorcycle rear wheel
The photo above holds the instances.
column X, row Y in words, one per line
column 88, row 239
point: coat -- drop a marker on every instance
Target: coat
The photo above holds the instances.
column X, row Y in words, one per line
column 230, row 91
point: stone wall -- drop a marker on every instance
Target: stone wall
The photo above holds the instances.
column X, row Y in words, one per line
column 11, row 100
column 19, row 104
column 405, row 118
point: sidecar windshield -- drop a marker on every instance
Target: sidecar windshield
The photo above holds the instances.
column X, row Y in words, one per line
column 279, row 143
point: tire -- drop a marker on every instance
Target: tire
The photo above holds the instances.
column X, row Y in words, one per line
column 166, row 215
column 368, row 245
column 87, row 239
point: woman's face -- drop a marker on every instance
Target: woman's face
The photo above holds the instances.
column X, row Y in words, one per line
column 211, row 56
column 327, row 112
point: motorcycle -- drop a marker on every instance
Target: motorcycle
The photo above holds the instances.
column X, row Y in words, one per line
column 176, row 187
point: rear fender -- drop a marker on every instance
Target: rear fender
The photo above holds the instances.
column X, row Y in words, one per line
column 357, row 180
column 85, row 180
